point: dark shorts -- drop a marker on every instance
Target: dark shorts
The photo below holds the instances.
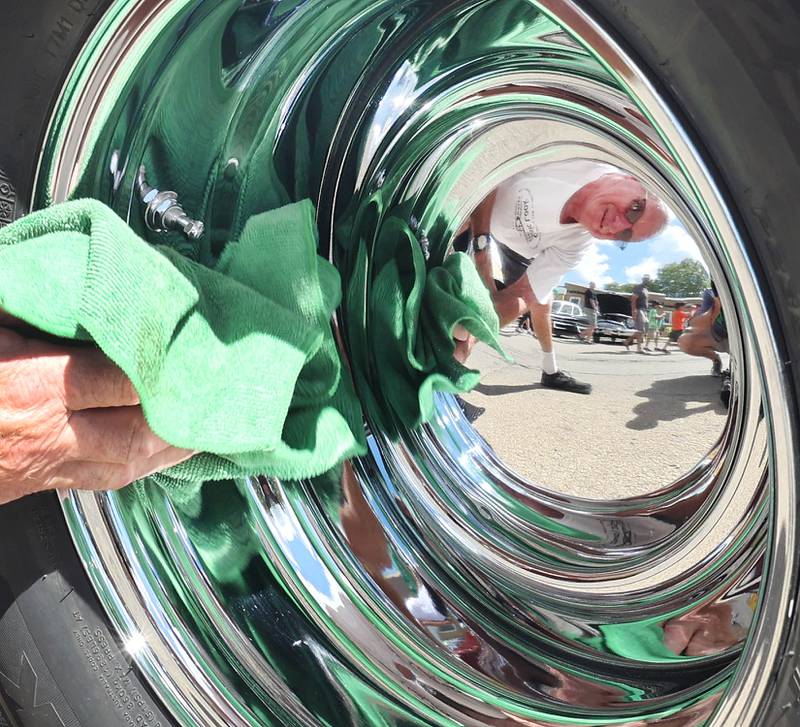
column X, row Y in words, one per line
column 461, row 242
column 674, row 336
column 513, row 265
column 719, row 332
column 718, row 328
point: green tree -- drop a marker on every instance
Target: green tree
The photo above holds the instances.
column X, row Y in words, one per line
column 685, row 279
column 654, row 286
column 620, row 287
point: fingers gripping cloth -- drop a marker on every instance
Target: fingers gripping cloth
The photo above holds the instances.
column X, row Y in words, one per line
column 238, row 363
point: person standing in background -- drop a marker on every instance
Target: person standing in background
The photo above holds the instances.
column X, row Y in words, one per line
column 640, row 302
column 591, row 309
column 679, row 317
column 655, row 319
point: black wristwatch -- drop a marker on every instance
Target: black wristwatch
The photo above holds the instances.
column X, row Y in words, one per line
column 481, row 242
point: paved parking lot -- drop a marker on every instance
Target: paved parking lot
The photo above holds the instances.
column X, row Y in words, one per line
column 649, row 419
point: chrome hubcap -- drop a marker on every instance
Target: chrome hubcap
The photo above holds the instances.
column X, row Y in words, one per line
column 427, row 583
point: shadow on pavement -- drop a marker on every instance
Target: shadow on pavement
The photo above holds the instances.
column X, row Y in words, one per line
column 668, row 399
column 599, row 352
column 500, row 389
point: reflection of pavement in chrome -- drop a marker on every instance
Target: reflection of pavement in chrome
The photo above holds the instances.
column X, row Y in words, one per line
column 648, row 420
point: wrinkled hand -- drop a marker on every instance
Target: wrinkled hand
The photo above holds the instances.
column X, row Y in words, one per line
column 69, row 418
column 708, row 630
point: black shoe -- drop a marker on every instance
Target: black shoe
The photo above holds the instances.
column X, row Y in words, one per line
column 725, row 390
column 562, row 380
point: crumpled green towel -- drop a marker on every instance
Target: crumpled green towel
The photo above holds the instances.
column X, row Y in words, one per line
column 412, row 314
column 639, row 641
column 238, row 363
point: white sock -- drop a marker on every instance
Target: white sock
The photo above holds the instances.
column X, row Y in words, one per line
column 549, row 365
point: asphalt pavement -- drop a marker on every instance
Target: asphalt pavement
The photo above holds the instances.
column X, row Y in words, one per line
column 649, row 419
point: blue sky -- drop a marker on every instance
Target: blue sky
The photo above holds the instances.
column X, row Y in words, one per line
column 605, row 262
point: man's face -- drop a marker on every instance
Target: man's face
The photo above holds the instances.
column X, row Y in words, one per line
column 616, row 207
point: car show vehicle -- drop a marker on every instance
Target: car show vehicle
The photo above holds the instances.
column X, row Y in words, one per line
column 567, row 318
column 613, row 326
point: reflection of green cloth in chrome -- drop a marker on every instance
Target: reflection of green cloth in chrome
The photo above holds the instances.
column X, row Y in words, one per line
column 241, row 366
column 639, row 640
column 413, row 314
column 214, row 519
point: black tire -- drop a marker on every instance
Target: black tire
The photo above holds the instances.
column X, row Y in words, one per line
column 732, row 71
column 60, row 660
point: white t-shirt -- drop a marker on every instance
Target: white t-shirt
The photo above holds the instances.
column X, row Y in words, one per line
column 526, row 214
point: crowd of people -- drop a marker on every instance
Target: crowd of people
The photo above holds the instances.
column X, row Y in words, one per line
column 698, row 330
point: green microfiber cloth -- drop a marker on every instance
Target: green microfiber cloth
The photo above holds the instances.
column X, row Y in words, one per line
column 412, row 314
column 641, row 641
column 238, row 363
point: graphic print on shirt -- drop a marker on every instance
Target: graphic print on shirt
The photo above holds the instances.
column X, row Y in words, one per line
column 524, row 222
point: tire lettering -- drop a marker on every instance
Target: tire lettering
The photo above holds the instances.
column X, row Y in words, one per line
column 8, row 201
column 112, row 674
column 58, row 36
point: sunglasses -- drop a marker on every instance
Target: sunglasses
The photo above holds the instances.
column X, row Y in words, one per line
column 633, row 214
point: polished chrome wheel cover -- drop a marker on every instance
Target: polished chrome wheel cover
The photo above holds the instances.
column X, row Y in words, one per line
column 492, row 589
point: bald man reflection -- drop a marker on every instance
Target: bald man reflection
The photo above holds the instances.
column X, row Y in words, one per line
column 537, row 226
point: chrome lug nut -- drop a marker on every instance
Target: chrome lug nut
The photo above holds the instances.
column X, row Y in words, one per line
column 163, row 212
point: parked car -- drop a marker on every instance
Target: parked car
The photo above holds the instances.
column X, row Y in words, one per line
column 616, row 326
column 567, row 318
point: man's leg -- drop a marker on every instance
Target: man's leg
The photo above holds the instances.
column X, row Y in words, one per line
column 518, row 298
column 589, row 331
column 637, row 339
column 671, row 337
column 634, row 337
column 552, row 376
column 543, row 328
column 510, row 303
column 701, row 343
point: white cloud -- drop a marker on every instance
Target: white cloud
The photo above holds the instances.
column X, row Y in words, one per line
column 594, row 267
column 674, row 244
column 648, row 266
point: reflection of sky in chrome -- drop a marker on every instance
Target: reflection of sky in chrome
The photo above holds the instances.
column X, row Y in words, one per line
column 402, row 92
column 605, row 262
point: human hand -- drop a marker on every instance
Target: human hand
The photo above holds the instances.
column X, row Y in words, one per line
column 69, row 418
column 464, row 342
column 708, row 630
